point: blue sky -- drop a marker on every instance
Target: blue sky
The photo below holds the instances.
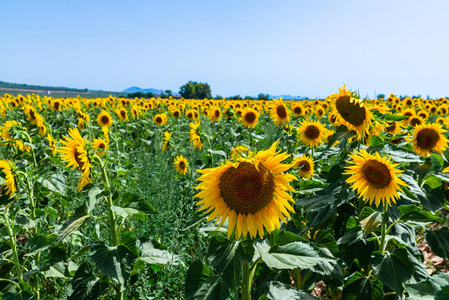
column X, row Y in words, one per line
column 307, row 48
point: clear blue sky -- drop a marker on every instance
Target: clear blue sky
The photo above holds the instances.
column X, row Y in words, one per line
column 297, row 47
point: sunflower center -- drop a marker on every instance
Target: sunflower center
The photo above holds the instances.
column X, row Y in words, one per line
column 78, row 160
column 353, row 113
column 104, row 120
column 297, row 110
column 189, row 115
column 32, row 115
column 304, row 165
column 176, row 114
column 246, row 189
column 158, row 120
column 57, row 105
column 102, row 146
column 280, row 110
column 250, row 117
column 123, row 113
column 182, row 165
column 392, row 127
column 312, row 132
column 217, row 113
column 415, row 121
column 376, row 173
column 427, row 138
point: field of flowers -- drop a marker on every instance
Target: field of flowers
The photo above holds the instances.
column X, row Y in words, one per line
column 216, row 199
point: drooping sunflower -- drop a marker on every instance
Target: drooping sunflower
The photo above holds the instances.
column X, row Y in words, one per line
column 181, row 163
column 167, row 136
column 100, row 146
column 311, row 133
column 14, row 128
column 249, row 117
column 428, row 138
column 52, row 144
column 279, row 112
column 160, row 119
column 104, row 119
column 251, row 193
column 195, row 135
column 352, row 112
column 374, row 178
column 305, row 165
column 10, row 180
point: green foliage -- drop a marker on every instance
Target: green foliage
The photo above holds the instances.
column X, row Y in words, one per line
column 195, row 90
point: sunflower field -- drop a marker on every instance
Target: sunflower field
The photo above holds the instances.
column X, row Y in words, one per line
column 112, row 198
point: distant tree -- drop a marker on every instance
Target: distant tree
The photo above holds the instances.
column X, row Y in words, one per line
column 249, row 98
column 195, row 90
column 169, row 93
column 218, row 97
column 380, row 96
column 135, row 95
column 262, row 96
column 149, row 95
column 236, row 97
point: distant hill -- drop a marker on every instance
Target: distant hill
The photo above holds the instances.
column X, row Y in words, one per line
column 286, row 97
column 135, row 89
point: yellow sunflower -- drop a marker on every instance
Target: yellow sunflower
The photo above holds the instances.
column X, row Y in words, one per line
column 279, row 112
column 10, row 180
column 305, row 165
column 427, row 138
column 393, row 127
column 52, row 144
column 374, row 178
column 167, row 136
column 181, row 164
column 297, row 109
column 249, row 117
column 13, row 127
column 251, row 193
column 122, row 113
column 415, row 121
column 100, row 146
column 190, row 114
column 352, row 112
column 214, row 114
column 104, row 119
column 311, row 133
column 160, row 119
column 238, row 152
column 195, row 135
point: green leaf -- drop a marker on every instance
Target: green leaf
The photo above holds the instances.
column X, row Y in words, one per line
column 203, row 284
column 39, row 243
column 376, row 142
column 433, row 182
column 358, row 287
column 55, row 182
column 75, row 221
column 93, row 195
column 304, row 255
column 371, row 223
column 280, row 291
column 25, row 293
column 389, row 117
column 226, row 257
column 429, row 288
column 392, row 269
column 154, row 256
column 197, row 217
column 438, row 241
column 414, row 214
column 85, row 285
column 114, row 262
column 310, row 186
column 341, row 133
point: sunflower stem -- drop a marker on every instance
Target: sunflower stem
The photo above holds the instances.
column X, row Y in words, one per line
column 246, row 282
column 383, row 245
column 13, row 245
column 297, row 278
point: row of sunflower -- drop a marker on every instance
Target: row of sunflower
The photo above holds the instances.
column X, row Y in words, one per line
column 338, row 196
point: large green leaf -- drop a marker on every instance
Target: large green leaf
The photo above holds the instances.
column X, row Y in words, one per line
column 438, row 241
column 414, row 214
column 341, row 133
column 203, row 284
column 300, row 254
column 55, row 183
column 114, row 262
column 227, row 256
column 39, row 243
column 280, row 291
column 392, row 269
column 429, row 289
column 359, row 287
column 85, row 285
column 152, row 255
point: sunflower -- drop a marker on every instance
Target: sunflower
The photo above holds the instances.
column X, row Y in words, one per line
column 167, row 136
column 297, row 109
column 415, row 121
column 250, row 194
column 190, row 114
column 75, row 154
column 160, row 119
column 10, row 180
column 195, row 135
column 52, row 144
column 249, row 117
column 122, row 114
column 393, row 127
column 351, row 112
column 56, row 105
column 100, row 146
column 279, row 112
column 31, row 114
column 104, row 119
column 305, row 165
column 442, row 121
column 214, row 114
column 238, row 152
column 427, row 138
column 175, row 113
column 375, row 178
column 14, row 128
column 181, row 164
column 311, row 133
